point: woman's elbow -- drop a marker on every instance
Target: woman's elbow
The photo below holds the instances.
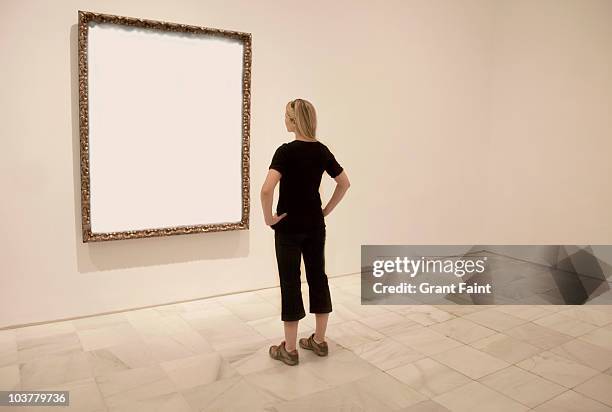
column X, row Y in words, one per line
column 343, row 181
column 266, row 191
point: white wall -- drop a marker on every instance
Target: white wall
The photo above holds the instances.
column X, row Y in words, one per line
column 457, row 122
column 551, row 132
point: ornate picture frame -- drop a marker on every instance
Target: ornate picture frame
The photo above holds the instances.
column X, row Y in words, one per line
column 106, row 207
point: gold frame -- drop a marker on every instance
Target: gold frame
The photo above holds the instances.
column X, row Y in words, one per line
column 83, row 19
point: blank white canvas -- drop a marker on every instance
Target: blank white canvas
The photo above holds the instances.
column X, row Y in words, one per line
column 165, row 129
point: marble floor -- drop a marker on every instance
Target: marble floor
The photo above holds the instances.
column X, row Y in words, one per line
column 211, row 355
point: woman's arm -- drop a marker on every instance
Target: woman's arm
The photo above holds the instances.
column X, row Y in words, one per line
column 267, row 197
column 342, row 185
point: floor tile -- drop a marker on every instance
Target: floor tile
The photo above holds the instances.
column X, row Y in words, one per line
column 571, row 401
column 364, row 311
column 425, row 314
column 44, row 330
column 120, row 357
column 353, row 333
column 557, row 369
column 198, row 370
column 233, row 394
column 601, row 337
column 426, row 406
column 585, row 353
column 539, row 336
column 476, row 397
column 565, row 324
column 255, row 359
column 99, row 321
column 495, row 319
column 252, row 310
column 9, row 378
column 376, row 392
column 595, row 315
column 55, row 370
column 84, row 396
column 462, row 330
column 106, row 336
column 429, row 377
column 344, row 366
column 340, row 314
column 506, row 348
column 522, row 386
column 271, row 327
column 427, row 341
column 471, row 362
column 167, row 348
column 390, row 323
column 37, row 347
column 166, row 402
column 598, row 388
column 526, row 312
column 387, row 353
column 239, row 350
column 161, row 325
column 134, row 385
column 460, row 310
column 288, row 382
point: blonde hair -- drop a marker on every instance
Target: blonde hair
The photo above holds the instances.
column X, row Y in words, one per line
column 305, row 117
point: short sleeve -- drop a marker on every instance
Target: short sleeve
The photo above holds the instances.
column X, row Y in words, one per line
column 279, row 160
column 332, row 167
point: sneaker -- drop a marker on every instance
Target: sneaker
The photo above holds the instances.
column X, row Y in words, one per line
column 309, row 343
column 279, row 352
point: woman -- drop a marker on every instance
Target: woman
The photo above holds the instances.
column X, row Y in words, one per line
column 299, row 226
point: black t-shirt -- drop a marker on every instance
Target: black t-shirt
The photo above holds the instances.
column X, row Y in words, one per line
column 301, row 165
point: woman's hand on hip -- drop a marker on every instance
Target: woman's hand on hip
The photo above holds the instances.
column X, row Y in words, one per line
column 276, row 219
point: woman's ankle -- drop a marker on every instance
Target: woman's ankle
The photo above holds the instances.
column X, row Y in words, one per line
column 317, row 339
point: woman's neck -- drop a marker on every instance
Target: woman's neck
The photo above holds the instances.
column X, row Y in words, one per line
column 305, row 139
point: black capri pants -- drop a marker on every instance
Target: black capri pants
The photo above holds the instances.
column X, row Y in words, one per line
column 289, row 250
